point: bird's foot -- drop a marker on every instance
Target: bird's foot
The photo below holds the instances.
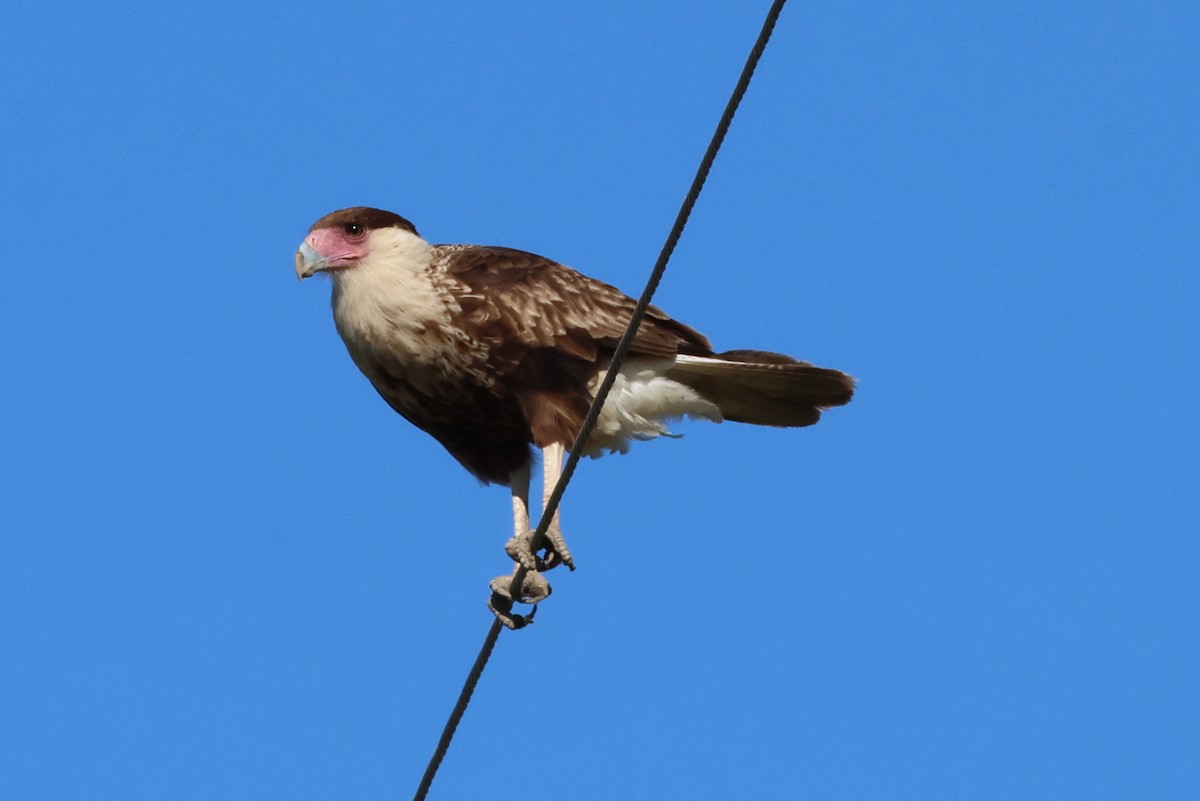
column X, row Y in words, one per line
column 554, row 551
column 520, row 549
column 522, row 586
column 557, row 550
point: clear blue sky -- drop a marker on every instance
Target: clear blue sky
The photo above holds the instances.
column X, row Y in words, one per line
column 229, row 571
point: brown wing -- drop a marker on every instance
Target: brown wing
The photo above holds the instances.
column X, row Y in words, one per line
column 511, row 298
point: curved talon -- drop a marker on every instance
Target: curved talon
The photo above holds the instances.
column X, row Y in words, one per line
column 502, row 608
column 532, row 588
column 557, row 550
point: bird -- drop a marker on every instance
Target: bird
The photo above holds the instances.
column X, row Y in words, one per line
column 496, row 352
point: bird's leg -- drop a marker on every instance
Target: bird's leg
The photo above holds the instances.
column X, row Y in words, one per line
column 526, row 584
column 552, row 463
column 519, row 481
column 519, row 547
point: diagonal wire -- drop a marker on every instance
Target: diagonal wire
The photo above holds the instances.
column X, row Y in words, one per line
column 618, row 357
column 660, row 266
column 464, row 698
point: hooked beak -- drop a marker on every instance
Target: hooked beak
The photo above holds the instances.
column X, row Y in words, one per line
column 309, row 261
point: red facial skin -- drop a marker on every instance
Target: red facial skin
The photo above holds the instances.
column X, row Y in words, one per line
column 337, row 247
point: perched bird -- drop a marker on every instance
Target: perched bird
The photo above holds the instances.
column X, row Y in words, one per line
column 493, row 351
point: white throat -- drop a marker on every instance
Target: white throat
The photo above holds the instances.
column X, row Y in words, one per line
column 389, row 301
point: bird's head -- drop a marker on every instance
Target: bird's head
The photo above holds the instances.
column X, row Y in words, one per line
column 348, row 238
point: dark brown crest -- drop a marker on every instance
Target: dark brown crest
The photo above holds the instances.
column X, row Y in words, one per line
column 365, row 216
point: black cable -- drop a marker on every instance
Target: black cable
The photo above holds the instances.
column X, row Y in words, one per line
column 464, row 698
column 660, row 266
column 589, row 422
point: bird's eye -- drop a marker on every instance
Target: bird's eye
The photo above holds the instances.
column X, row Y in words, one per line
column 353, row 230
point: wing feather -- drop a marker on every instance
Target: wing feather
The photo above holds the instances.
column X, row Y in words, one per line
column 510, row 298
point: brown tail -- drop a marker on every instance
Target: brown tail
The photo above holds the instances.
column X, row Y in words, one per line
column 764, row 388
